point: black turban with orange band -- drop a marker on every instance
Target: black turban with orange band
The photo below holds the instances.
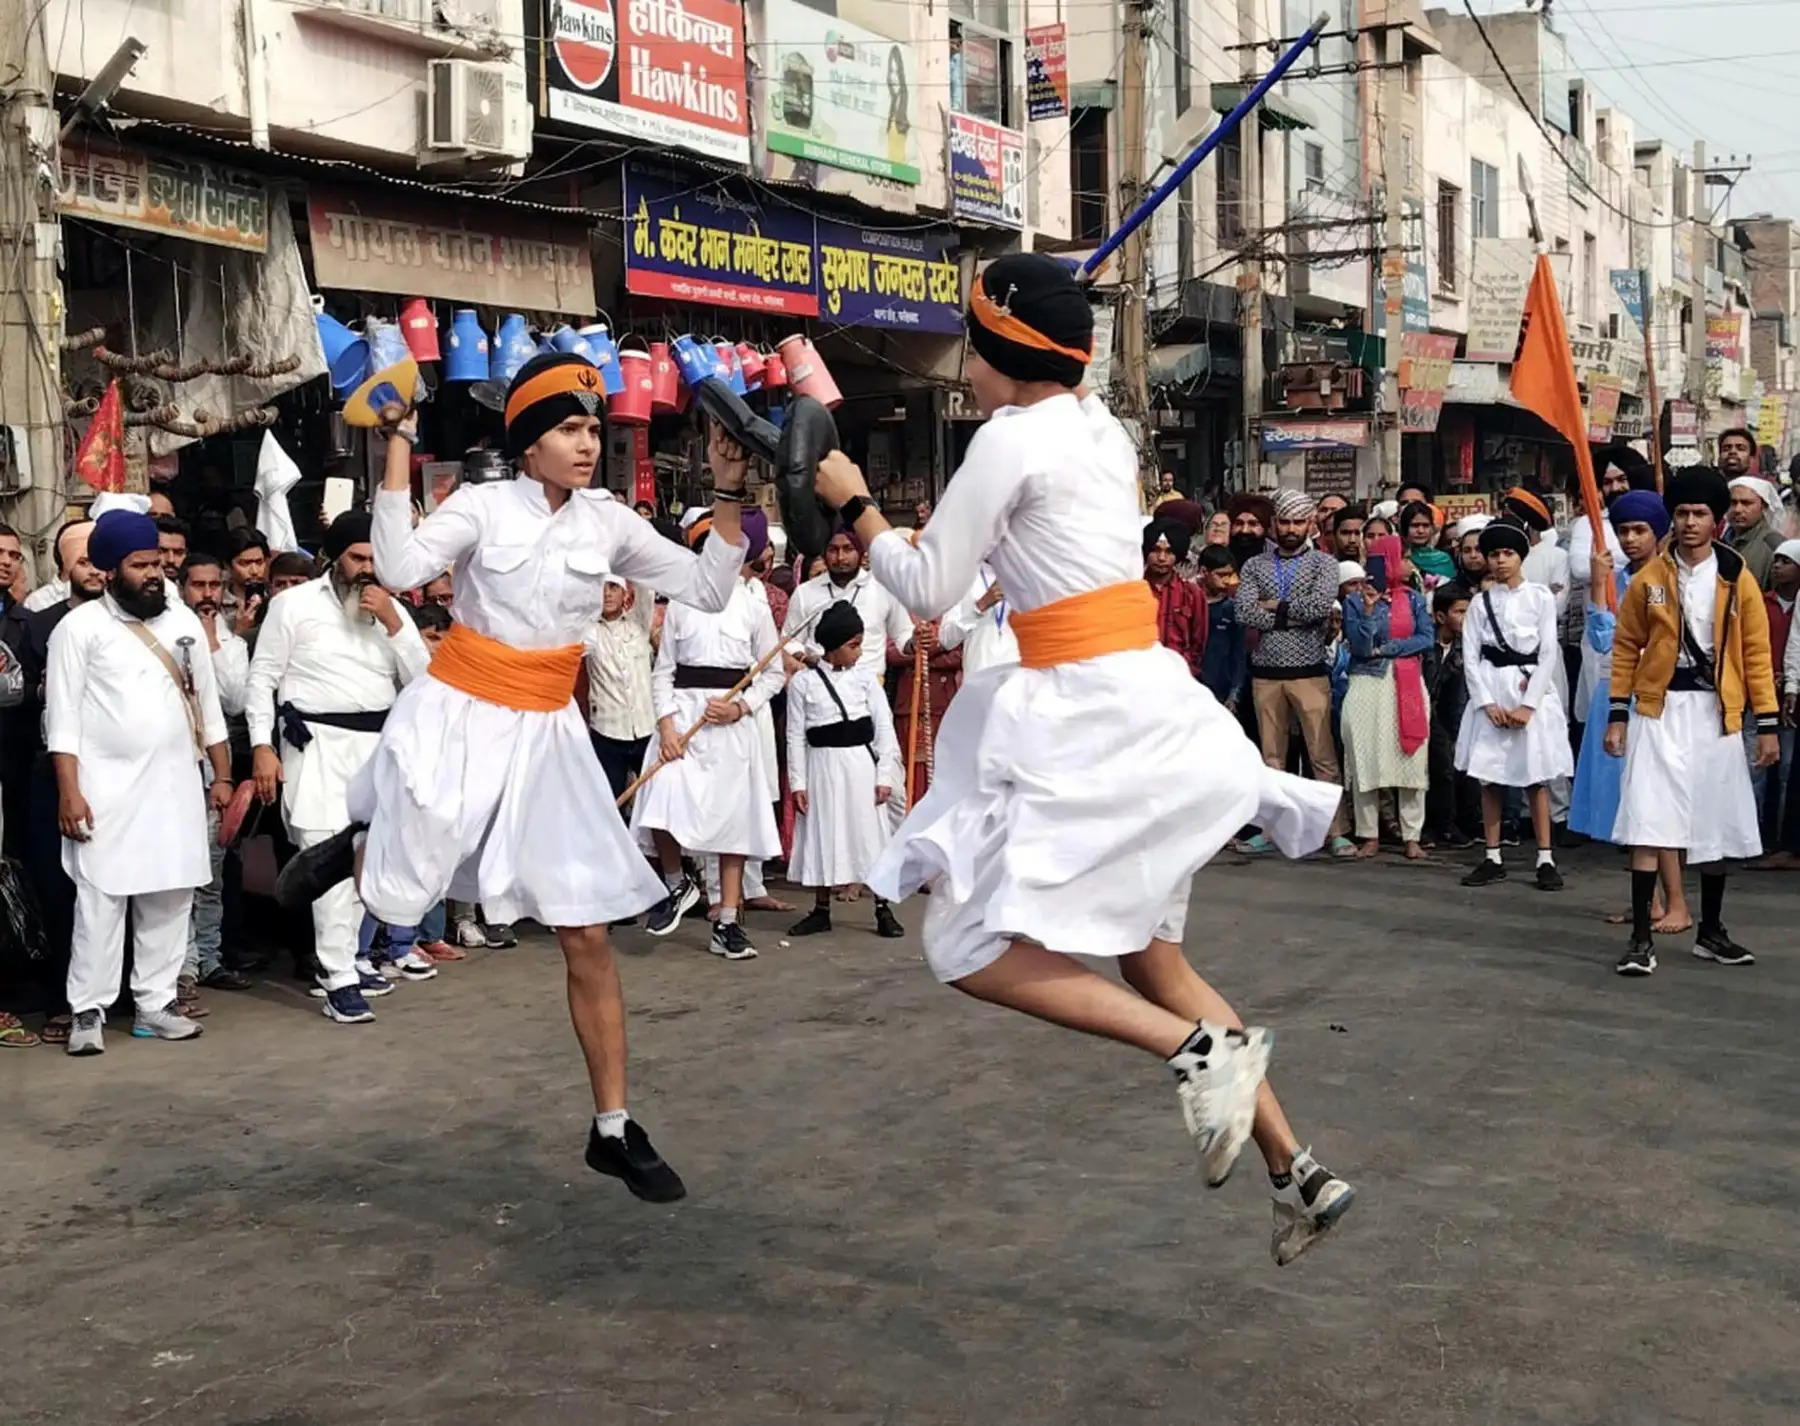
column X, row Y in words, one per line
column 1029, row 319
column 548, row 390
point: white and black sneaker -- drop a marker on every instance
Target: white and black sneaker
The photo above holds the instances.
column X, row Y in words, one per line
column 1217, row 1074
column 1717, row 945
column 666, row 915
column 1307, row 1204
column 732, row 942
column 1639, row 959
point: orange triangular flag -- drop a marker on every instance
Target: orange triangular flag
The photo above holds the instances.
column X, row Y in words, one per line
column 1543, row 382
column 100, row 459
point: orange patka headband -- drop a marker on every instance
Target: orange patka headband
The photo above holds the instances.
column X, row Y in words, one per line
column 991, row 315
column 567, row 379
column 698, row 531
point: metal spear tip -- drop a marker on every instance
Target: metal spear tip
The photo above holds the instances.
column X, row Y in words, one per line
column 1320, row 21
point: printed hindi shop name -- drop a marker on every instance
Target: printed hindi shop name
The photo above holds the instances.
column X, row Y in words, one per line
column 844, row 270
column 388, row 240
column 719, row 249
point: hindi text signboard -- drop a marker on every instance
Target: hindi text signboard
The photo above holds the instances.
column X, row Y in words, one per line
column 156, row 193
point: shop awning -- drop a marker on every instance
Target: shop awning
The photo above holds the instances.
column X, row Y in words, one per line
column 1277, row 111
column 1182, row 362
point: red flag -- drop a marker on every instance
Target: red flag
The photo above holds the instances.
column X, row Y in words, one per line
column 100, row 459
column 1543, row 381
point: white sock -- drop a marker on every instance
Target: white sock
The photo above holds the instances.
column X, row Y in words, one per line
column 728, row 915
column 1493, row 855
column 612, row 1123
column 672, row 879
column 1546, row 857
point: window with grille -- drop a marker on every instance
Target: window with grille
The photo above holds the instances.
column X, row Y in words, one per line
column 1484, row 200
column 1449, row 204
column 1088, row 179
column 1229, row 172
column 1314, row 157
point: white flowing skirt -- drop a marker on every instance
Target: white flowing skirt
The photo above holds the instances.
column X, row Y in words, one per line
column 1687, row 784
column 1071, row 806
column 468, row 799
column 715, row 798
column 1516, row 757
column 838, row 840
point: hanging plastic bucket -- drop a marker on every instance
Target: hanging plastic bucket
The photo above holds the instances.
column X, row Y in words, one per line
column 603, row 353
column 631, row 407
column 346, row 354
column 513, row 347
column 806, row 371
column 732, row 368
column 665, row 380
column 467, row 358
column 774, row 376
column 695, row 360
column 750, row 361
column 419, row 326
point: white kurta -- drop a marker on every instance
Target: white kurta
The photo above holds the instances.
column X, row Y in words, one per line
column 838, row 839
column 493, row 804
column 715, row 797
column 111, row 703
column 1068, row 805
column 318, row 656
column 1686, row 782
column 883, row 617
column 231, row 668
column 985, row 637
column 1538, row 752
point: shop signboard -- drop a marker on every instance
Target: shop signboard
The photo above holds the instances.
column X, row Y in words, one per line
column 1047, row 71
column 1602, row 409
column 1425, row 362
column 1724, row 337
column 1771, row 423
column 1331, row 472
column 1280, row 436
column 1499, row 277
column 1684, row 424
column 1460, row 507
column 987, row 172
column 1628, row 285
column 174, row 197
column 908, row 280
column 663, row 72
column 379, row 242
column 715, row 249
column 838, row 94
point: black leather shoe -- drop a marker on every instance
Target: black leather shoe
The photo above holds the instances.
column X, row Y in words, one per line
column 813, row 923
column 634, row 1159
column 225, row 978
column 808, row 435
column 313, row 872
column 887, row 925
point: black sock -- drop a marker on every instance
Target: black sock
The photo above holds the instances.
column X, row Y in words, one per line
column 1712, row 901
column 822, row 899
column 1643, row 892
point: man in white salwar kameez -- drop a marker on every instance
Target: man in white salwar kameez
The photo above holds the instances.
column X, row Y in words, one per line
column 484, row 784
column 843, row 765
column 710, row 798
column 978, row 626
column 1690, row 650
column 131, row 711
column 1076, row 793
column 332, row 655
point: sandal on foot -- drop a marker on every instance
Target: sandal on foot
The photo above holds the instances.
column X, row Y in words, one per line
column 55, row 1029
column 14, row 1035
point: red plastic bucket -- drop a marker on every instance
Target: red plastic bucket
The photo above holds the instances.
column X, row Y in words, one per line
column 631, row 407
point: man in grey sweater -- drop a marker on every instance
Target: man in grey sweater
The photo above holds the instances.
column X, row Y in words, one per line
column 1289, row 596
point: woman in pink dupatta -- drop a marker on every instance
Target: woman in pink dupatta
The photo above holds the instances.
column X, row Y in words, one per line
column 1386, row 716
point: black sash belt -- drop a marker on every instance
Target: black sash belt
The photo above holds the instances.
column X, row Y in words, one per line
column 694, row 675
column 296, row 734
column 855, row 733
column 1508, row 658
column 1690, row 680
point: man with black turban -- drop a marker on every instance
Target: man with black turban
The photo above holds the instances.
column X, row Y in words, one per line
column 1180, row 603
column 330, row 658
column 1690, row 651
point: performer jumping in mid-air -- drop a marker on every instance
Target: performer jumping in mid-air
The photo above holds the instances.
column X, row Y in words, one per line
column 484, row 785
column 1077, row 793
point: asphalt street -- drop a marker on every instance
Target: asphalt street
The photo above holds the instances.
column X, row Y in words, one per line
column 1576, row 1192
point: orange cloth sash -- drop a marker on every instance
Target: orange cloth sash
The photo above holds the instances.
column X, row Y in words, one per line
column 530, row 680
column 1084, row 626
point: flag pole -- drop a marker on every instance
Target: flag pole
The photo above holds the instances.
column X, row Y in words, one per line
column 1656, row 454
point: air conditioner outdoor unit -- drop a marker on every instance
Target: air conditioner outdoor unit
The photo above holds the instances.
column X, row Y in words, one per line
column 477, row 109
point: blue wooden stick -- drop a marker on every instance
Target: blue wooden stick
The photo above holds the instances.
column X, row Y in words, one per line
column 1205, row 146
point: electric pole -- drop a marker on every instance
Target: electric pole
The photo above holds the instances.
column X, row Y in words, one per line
column 31, row 317
column 1133, row 324
column 1393, row 261
column 1250, row 303
column 1702, row 260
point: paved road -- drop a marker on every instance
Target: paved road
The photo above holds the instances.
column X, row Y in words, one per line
column 1578, row 1200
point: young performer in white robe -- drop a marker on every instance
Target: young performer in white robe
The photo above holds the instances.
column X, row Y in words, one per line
column 484, row 785
column 1691, row 648
column 131, row 707
column 1076, row 793
column 1514, row 731
column 711, row 796
column 843, row 766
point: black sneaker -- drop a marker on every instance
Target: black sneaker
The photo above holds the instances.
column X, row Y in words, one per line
column 1717, row 945
column 225, row 978
column 311, row 873
column 666, row 915
column 731, row 942
column 813, row 923
column 887, row 925
column 634, row 1159
column 1510, row 835
column 1453, row 838
column 1639, row 959
column 1486, row 873
column 1548, row 877
column 501, row 936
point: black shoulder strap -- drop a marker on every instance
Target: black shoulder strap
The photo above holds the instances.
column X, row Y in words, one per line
column 843, row 712
column 1487, row 604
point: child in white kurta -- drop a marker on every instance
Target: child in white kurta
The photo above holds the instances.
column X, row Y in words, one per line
column 1515, row 732
column 843, row 766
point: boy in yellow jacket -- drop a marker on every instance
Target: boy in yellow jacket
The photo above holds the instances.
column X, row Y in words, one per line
column 1691, row 651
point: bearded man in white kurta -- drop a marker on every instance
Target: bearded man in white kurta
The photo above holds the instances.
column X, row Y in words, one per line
column 331, row 657
column 131, row 707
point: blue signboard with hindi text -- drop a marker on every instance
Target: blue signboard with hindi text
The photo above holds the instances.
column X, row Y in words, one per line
column 706, row 245
column 907, row 280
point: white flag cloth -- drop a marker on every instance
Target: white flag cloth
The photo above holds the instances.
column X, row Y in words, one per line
column 276, row 474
